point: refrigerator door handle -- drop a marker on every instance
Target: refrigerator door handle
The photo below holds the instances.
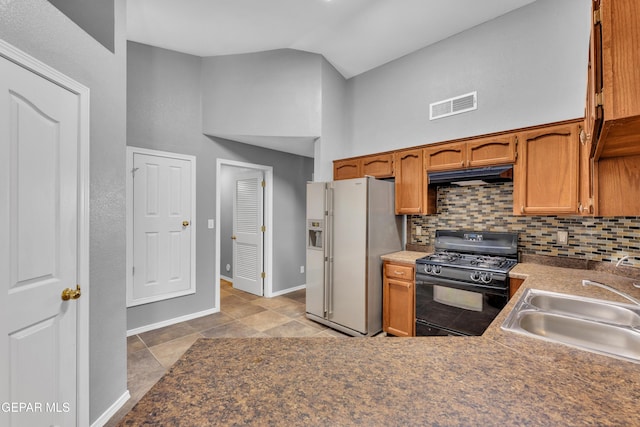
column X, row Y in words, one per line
column 329, row 252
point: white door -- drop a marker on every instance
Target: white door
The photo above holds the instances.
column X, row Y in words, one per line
column 248, row 230
column 39, row 151
column 163, row 229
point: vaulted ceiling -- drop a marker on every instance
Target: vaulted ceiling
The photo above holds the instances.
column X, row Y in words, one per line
column 353, row 35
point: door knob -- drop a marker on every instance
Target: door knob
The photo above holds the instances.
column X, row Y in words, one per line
column 69, row 293
column 233, row 237
column 185, row 223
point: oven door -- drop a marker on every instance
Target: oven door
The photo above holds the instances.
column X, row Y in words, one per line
column 455, row 308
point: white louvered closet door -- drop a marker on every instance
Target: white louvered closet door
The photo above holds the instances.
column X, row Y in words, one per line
column 248, row 199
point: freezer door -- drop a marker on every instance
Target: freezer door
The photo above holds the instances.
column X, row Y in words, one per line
column 348, row 228
column 316, row 299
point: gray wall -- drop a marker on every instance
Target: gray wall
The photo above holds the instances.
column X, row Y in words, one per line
column 163, row 96
column 529, row 67
column 42, row 31
column 163, row 113
column 273, row 93
column 84, row 12
column 333, row 143
column 225, row 225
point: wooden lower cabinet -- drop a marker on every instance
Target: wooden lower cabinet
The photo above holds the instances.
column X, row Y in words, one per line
column 398, row 305
column 514, row 285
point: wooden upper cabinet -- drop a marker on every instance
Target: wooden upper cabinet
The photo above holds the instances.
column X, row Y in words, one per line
column 594, row 114
column 615, row 46
column 413, row 195
column 380, row 166
column 586, row 199
column 491, row 151
column 445, row 156
column 346, row 169
column 618, row 186
column 547, row 173
column 377, row 165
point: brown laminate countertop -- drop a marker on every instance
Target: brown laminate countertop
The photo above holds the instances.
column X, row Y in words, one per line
column 498, row 379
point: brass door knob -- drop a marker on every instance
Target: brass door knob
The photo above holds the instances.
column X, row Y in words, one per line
column 233, row 237
column 185, row 223
column 69, row 293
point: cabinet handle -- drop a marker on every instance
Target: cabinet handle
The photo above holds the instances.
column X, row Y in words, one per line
column 399, row 273
column 584, row 136
column 462, row 163
column 521, row 209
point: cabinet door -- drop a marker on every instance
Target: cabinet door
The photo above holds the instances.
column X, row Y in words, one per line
column 346, row 169
column 491, row 151
column 411, row 183
column 380, row 166
column 445, row 157
column 620, row 95
column 586, row 205
column 620, row 37
column 593, row 108
column 548, row 170
column 398, row 305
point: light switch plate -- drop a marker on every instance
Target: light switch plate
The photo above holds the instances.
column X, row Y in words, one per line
column 211, row 223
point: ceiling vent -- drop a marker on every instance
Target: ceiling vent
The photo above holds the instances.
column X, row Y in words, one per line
column 451, row 106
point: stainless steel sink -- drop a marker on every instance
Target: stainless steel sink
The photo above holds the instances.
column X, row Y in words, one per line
column 599, row 326
column 586, row 309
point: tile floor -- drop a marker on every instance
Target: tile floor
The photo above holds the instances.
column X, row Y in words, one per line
column 150, row 354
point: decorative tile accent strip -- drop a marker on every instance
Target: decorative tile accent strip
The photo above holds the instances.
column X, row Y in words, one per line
column 489, row 207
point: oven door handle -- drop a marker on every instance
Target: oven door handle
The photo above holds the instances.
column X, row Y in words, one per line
column 465, row 286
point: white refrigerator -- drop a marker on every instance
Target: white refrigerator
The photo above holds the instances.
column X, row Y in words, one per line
column 350, row 224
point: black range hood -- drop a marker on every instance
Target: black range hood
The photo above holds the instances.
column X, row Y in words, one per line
column 472, row 176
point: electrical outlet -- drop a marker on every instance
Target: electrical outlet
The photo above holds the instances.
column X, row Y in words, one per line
column 418, row 230
column 301, row 269
column 563, row 237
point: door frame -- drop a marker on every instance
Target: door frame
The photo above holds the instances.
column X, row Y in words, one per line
column 268, row 222
column 34, row 65
column 131, row 152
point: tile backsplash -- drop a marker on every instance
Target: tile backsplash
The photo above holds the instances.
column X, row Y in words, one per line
column 489, row 207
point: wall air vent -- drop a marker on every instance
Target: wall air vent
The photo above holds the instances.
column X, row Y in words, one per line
column 451, row 106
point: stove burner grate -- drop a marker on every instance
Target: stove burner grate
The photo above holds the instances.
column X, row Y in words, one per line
column 449, row 257
column 488, row 261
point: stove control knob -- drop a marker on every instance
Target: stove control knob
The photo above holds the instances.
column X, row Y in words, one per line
column 475, row 276
column 486, row 277
column 437, row 269
column 427, row 268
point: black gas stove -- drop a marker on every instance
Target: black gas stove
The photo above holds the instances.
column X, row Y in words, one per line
column 463, row 285
column 475, row 257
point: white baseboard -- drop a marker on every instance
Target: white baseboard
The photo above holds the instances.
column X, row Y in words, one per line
column 287, row 291
column 173, row 321
column 111, row 411
column 228, row 279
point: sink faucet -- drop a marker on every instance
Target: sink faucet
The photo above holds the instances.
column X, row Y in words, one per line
column 636, row 285
column 609, row 288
